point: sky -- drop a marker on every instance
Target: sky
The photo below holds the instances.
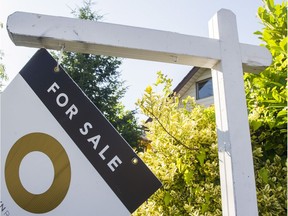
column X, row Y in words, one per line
column 189, row 17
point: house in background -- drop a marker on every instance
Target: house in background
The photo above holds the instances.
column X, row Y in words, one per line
column 198, row 84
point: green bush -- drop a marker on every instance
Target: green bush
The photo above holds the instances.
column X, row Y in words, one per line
column 183, row 154
column 183, row 149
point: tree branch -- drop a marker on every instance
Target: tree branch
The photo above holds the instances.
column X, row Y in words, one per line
column 160, row 123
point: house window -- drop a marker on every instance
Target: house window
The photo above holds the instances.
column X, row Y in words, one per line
column 204, row 88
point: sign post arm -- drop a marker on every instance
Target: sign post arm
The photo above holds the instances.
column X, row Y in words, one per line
column 51, row 32
column 234, row 145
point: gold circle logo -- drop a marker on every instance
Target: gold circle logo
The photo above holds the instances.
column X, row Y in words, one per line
column 49, row 200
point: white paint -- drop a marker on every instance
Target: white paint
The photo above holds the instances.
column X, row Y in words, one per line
column 86, row 36
column 234, row 145
column 36, row 172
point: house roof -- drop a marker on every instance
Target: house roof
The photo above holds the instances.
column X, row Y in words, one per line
column 188, row 80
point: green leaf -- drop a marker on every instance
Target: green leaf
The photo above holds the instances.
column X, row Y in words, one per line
column 264, row 174
column 207, row 198
column 283, row 44
column 201, row 157
column 258, row 33
column 188, row 175
column 270, row 4
column 255, row 124
column 282, row 113
column 167, row 198
column 180, row 166
column 204, row 208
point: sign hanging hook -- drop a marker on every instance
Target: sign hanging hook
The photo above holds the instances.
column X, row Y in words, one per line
column 57, row 69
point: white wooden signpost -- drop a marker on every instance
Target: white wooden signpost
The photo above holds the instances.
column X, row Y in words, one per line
column 222, row 52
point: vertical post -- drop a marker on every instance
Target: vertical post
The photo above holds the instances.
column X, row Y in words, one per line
column 238, row 188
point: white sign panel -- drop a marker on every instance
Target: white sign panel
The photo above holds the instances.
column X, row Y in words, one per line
column 59, row 155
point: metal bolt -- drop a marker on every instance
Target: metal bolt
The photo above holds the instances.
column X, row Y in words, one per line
column 134, row 160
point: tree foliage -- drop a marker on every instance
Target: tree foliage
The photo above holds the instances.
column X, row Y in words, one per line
column 3, row 75
column 99, row 77
column 267, row 103
column 183, row 150
column 267, row 92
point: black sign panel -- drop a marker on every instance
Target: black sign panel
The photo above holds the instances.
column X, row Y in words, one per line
column 107, row 151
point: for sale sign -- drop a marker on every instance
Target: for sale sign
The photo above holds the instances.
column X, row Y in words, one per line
column 59, row 155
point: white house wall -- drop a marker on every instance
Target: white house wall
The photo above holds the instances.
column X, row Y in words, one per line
column 191, row 91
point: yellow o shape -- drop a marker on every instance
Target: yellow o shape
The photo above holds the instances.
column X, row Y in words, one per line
column 49, row 200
